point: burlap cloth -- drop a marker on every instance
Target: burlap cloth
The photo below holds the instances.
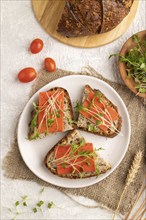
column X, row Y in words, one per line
column 107, row 192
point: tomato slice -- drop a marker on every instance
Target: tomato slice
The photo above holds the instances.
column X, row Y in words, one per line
column 76, row 163
column 51, row 111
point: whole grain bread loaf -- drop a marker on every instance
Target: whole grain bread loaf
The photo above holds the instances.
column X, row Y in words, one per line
column 88, row 17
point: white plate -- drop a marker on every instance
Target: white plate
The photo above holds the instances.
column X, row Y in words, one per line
column 34, row 152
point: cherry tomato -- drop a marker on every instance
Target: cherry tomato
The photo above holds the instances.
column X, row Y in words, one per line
column 50, row 64
column 27, row 75
column 36, row 46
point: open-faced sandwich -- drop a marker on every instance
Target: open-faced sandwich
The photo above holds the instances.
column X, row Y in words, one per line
column 72, row 157
column 53, row 113
column 97, row 114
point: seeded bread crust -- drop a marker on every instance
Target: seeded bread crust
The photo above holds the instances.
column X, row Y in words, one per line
column 68, row 110
column 114, row 12
column 80, row 18
column 82, row 122
column 89, row 17
column 74, row 137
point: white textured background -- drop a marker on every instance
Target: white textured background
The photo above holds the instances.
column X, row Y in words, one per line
column 18, row 28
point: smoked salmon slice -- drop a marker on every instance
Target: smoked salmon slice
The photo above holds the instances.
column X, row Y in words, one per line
column 51, row 111
column 96, row 111
column 77, row 161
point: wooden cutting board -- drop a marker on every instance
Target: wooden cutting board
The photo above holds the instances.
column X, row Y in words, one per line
column 48, row 13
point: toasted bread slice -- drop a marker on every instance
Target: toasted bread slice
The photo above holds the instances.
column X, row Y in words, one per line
column 67, row 117
column 98, row 118
column 73, row 139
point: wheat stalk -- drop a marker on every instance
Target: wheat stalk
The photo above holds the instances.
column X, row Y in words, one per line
column 130, row 177
column 139, row 195
column 142, row 214
column 138, row 213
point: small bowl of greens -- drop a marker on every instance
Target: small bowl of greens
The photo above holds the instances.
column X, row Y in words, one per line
column 132, row 63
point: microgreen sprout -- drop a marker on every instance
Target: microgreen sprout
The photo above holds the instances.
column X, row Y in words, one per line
column 98, row 115
column 97, row 171
column 74, row 158
column 17, row 203
column 100, row 148
column 135, row 60
column 40, row 203
column 22, row 205
column 51, row 111
column 50, row 205
column 35, row 210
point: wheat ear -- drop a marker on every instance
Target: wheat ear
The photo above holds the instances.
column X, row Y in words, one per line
column 139, row 195
column 130, row 177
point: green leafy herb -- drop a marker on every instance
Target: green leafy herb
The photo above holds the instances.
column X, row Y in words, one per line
column 24, row 204
column 40, row 203
column 82, row 143
column 135, row 61
column 90, row 127
column 36, row 135
column 99, row 115
column 50, row 121
column 85, row 153
column 34, row 210
column 63, row 165
column 50, row 205
column 98, row 94
column 17, row 203
column 100, row 148
column 97, row 171
column 74, row 146
column 16, row 210
column 35, row 117
column 98, row 122
column 80, row 107
column 82, row 174
column 94, row 129
column 70, row 121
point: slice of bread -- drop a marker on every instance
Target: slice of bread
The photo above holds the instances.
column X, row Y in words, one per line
column 113, row 13
column 80, row 18
column 86, row 124
column 89, row 17
column 70, row 139
column 68, row 117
